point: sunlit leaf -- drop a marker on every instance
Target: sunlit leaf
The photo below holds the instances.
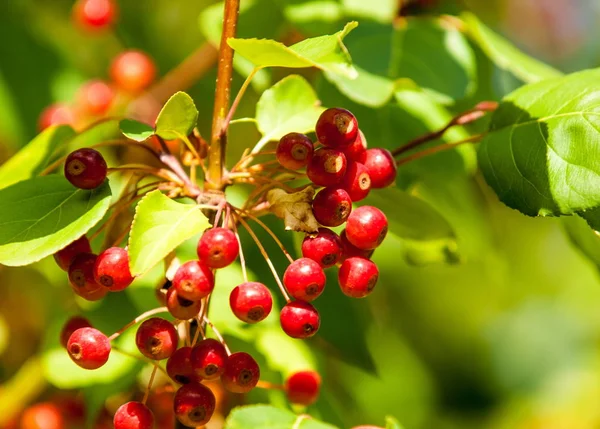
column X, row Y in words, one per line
column 177, row 118
column 266, row 416
column 135, row 130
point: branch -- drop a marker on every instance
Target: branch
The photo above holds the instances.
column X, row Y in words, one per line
column 435, row 149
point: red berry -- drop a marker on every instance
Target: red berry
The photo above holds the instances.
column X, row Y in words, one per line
column 332, row 206
column 381, row 167
column 85, row 168
column 56, row 114
column 44, row 415
column 303, row 387
column 304, row 279
column 357, row 148
column 326, row 167
column 112, row 269
column 294, row 151
column 356, row 181
column 133, row 415
column 350, row 250
column 193, row 281
column 336, row 127
column 251, row 302
column 73, row 324
column 194, row 404
column 65, row 256
column 95, row 14
column 89, row 348
column 218, row 247
column 156, row 338
column 299, row 319
column 357, row 277
column 209, row 358
column 81, row 277
column 95, row 97
column 366, row 227
column 241, row 373
column 133, row 71
column 181, row 308
column 179, row 366
column 325, row 248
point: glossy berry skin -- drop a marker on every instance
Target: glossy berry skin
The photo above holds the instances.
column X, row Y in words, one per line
column 358, row 277
column 156, row 338
column 56, row 114
column 355, row 151
column 88, row 348
column 327, row 167
column 366, row 227
column 179, row 366
column 73, row 324
column 332, row 206
column 304, row 279
column 65, row 256
column 181, row 308
column 193, row 280
column 133, row 71
column 44, row 415
column 81, row 277
column 133, row 415
column 356, row 181
column 112, row 269
column 208, row 359
column 303, row 387
column 350, row 250
column 218, row 247
column 85, row 168
column 241, row 373
column 299, row 319
column 381, row 167
column 294, row 151
column 194, row 404
column 325, row 247
column 251, row 302
column 336, row 127
column 95, row 97
column 95, row 14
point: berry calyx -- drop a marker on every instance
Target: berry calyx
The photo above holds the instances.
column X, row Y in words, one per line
column 179, row 366
column 133, row 71
column 336, row 127
column 85, row 168
column 181, row 308
column 357, row 277
column 355, row 151
column 56, row 114
column 73, row 324
column 81, row 277
column 95, row 97
column 325, row 248
column 356, row 181
column 209, row 359
column 381, row 167
column 88, row 348
column 44, row 415
column 65, row 256
column 156, row 338
column 326, row 167
column 332, row 206
column 133, row 415
column 251, row 302
column 95, row 14
column 303, row 387
column 193, row 280
column 218, row 247
column 194, row 404
column 366, row 227
column 350, row 250
column 299, row 319
column 304, row 279
column 294, row 151
column 112, row 269
column 241, row 373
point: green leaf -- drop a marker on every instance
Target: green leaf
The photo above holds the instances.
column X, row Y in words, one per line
column 292, row 355
column 505, row 55
column 102, row 131
column 135, row 130
column 542, row 151
column 159, row 226
column 392, row 423
column 269, row 417
column 32, row 159
column 324, row 52
column 42, row 215
column 583, row 238
column 367, row 88
column 177, row 118
column 377, row 10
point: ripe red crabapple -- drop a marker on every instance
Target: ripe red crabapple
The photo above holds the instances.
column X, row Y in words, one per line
column 193, row 280
column 81, row 277
column 350, row 250
column 181, row 308
column 208, row 359
column 112, row 269
column 156, row 338
column 355, row 151
column 132, row 71
column 332, row 206
column 303, row 387
column 95, row 97
column 251, row 302
column 336, row 127
column 304, row 279
column 194, row 404
column 326, row 167
column 56, row 114
column 88, row 348
column 299, row 319
column 65, row 256
column 218, row 247
column 73, row 324
column 44, row 415
column 366, row 227
column 294, row 151
column 85, row 168
column 325, row 247
column 356, row 181
column 95, row 14
column 133, row 415
column 358, row 277
column 241, row 373
column 381, row 167
column 179, row 366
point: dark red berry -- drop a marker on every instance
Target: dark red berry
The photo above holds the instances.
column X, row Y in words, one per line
column 95, row 97
column 326, row 167
column 241, row 373
column 133, row 415
column 156, row 338
column 304, row 279
column 179, row 366
column 193, row 280
column 209, row 358
column 350, row 250
column 133, row 71
column 81, row 277
column 181, row 308
column 89, row 348
column 194, row 404
column 65, row 256
column 357, row 277
column 366, row 227
column 381, row 167
column 95, row 14
column 56, row 114
column 332, row 206
column 356, row 181
column 112, row 269
column 85, row 168
column 251, row 302
column 325, row 248
column 44, row 415
column 357, row 148
column 336, row 127
column 218, row 247
column 303, row 387
column 299, row 319
column 294, row 151
column 73, row 324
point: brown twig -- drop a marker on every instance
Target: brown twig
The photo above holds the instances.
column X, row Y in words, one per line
column 436, row 149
